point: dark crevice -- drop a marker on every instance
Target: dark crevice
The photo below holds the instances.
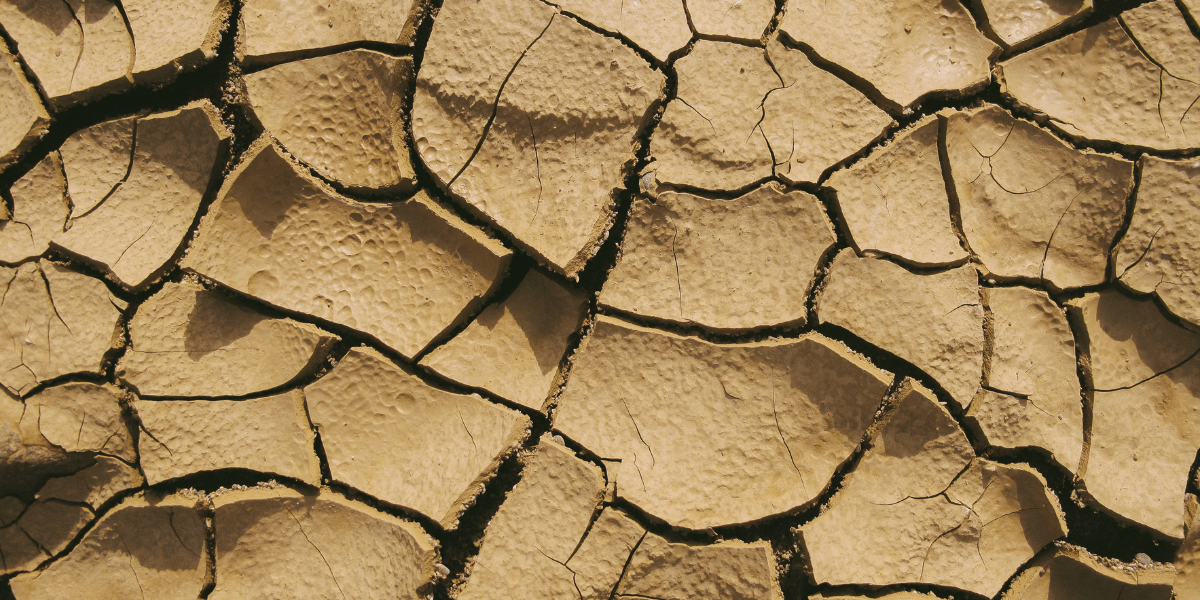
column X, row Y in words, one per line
column 254, row 64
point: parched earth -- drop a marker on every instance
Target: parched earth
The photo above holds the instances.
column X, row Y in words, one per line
column 600, row 300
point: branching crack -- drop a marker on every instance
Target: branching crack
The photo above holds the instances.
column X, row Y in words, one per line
column 538, row 161
column 639, row 432
column 319, row 553
column 783, row 439
column 116, row 186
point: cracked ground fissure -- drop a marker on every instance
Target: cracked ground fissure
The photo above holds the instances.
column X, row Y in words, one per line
column 209, row 81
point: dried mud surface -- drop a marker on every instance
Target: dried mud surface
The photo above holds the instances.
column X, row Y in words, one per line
column 597, row 300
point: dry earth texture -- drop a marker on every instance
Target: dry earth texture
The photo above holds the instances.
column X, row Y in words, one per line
column 600, row 299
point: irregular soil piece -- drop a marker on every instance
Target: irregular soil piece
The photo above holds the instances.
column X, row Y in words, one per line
column 27, row 459
column 81, row 417
column 279, row 543
column 56, row 322
column 39, row 211
column 96, row 161
column 659, row 27
column 513, row 348
column 1187, row 559
column 926, row 519
column 77, row 49
column 135, row 232
column 904, row 49
column 816, row 120
column 933, row 321
column 563, row 136
column 710, row 135
column 1032, row 395
column 1146, row 409
column 723, row 264
column 599, row 562
column 146, row 545
column 402, row 272
column 1021, row 23
column 52, row 525
column 269, row 435
column 1097, row 83
column 1033, row 207
column 340, row 114
column 1160, row 253
column 390, row 435
column 173, row 35
column 736, row 19
column 714, row 434
column 729, row 569
column 187, row 342
column 273, row 27
column 94, row 485
column 895, row 201
column 527, row 544
column 24, row 119
column 1070, row 573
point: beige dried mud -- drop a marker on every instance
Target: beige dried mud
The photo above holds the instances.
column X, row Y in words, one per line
column 934, row 321
column 269, row 435
column 1071, row 573
column 710, row 434
column 77, row 49
column 659, row 27
column 710, row 135
column 1187, row 558
column 513, row 348
column 170, row 36
column 96, row 161
column 56, row 322
column 148, row 546
column 391, row 435
column 187, row 342
column 403, row 273
column 280, row 543
column 815, row 120
column 1146, row 409
column 340, row 114
column 39, row 211
column 726, row 569
column 273, row 28
column 81, row 417
column 134, row 234
column 722, row 264
column 94, row 485
column 1098, row 84
column 904, row 49
column 894, row 201
column 1160, row 254
column 930, row 511
column 535, row 137
column 744, row 20
column 1019, row 24
column 24, row 119
column 1032, row 207
column 1032, row 395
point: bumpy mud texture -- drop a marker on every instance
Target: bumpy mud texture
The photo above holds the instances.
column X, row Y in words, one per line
column 599, row 299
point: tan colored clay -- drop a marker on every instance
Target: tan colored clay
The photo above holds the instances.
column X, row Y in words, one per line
column 710, row 135
column 729, row 569
column 273, row 27
column 25, row 119
column 1033, row 207
column 930, row 512
column 94, row 485
column 934, row 321
column 390, row 435
column 1032, row 395
column 268, row 435
column 147, row 545
column 81, row 417
column 340, row 114
column 1071, row 573
column 659, row 27
column 173, row 35
column 55, row 322
column 599, row 562
column 1021, row 23
column 187, row 342
column 1097, row 83
column 736, row 19
column 815, row 120
column 39, row 211
column 96, row 162
column 277, row 543
column 403, row 272
column 904, row 49
column 135, row 233
column 513, row 348
column 895, row 203
column 713, row 434
column 1146, row 410
column 1160, row 254
column 723, row 264
column 1187, row 558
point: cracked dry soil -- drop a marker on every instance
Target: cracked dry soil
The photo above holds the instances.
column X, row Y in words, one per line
column 600, row 299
